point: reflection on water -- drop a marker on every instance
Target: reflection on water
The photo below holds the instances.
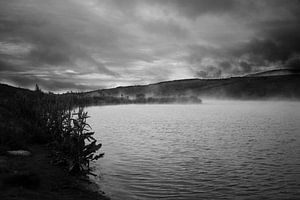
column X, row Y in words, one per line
column 216, row 150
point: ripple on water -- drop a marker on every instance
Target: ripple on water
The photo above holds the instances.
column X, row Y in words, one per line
column 219, row 150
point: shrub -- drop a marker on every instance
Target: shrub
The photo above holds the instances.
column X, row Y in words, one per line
column 48, row 118
column 82, row 145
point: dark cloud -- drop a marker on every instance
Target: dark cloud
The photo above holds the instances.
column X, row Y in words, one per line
column 210, row 72
column 165, row 29
column 246, row 67
column 4, row 66
column 293, row 63
column 225, row 66
column 279, row 41
column 81, row 44
column 53, row 41
column 52, row 55
column 201, row 74
column 260, row 50
column 195, row 8
column 276, row 43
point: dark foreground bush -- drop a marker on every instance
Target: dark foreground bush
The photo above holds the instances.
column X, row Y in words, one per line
column 49, row 118
column 77, row 143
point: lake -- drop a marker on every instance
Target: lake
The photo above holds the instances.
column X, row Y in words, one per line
column 214, row 150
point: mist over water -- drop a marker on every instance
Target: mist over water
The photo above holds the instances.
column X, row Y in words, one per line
column 214, row 150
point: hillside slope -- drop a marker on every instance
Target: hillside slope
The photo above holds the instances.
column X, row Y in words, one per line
column 276, row 72
column 249, row 87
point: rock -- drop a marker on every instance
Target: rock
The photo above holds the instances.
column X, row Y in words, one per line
column 19, row 153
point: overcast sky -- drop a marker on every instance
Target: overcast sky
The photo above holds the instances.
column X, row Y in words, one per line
column 91, row 44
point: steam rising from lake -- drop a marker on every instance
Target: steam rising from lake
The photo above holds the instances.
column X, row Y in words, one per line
column 214, row 150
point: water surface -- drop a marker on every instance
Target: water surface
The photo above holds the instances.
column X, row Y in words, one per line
column 215, row 150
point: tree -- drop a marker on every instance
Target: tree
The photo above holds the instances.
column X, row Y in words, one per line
column 37, row 88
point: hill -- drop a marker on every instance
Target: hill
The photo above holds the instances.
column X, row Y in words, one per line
column 281, row 84
column 276, row 72
column 8, row 90
column 248, row 87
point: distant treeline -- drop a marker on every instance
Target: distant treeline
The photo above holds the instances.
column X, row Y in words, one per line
column 250, row 87
column 84, row 100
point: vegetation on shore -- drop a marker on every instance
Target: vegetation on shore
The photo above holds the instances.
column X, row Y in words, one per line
column 54, row 129
column 34, row 117
column 32, row 177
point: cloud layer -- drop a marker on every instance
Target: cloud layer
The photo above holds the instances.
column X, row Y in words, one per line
column 91, row 44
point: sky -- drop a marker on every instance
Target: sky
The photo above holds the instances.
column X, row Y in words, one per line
column 76, row 45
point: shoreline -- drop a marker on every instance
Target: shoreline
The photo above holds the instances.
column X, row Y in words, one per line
column 42, row 180
column 42, row 174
